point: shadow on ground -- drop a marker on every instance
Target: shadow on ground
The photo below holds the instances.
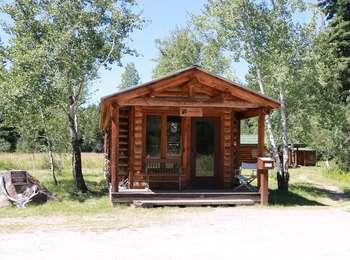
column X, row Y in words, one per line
column 65, row 190
column 305, row 194
column 323, row 192
column 289, row 198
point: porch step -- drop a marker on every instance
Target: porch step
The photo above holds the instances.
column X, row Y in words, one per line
column 192, row 202
column 130, row 195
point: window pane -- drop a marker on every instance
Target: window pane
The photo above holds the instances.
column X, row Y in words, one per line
column 153, row 136
column 173, row 135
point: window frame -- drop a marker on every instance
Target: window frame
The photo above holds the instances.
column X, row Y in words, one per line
column 168, row 154
column 163, row 132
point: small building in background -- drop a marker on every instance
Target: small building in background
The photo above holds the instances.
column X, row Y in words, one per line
column 299, row 155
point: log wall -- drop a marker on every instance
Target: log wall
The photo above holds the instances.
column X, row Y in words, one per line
column 138, row 124
column 229, row 155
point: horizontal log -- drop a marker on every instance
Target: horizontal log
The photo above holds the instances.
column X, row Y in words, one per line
column 252, row 113
column 187, row 102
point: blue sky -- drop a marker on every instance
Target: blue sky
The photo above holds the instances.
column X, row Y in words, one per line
column 163, row 16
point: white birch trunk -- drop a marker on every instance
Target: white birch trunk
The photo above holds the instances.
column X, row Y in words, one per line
column 269, row 126
column 52, row 166
column 284, row 134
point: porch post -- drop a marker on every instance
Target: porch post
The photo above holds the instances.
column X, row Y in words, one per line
column 261, row 139
column 186, row 139
column 262, row 174
column 107, row 156
column 114, row 147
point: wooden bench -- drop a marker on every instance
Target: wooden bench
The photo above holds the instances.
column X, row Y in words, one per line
column 156, row 167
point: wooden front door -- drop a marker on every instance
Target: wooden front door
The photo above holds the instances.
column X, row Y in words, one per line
column 204, row 151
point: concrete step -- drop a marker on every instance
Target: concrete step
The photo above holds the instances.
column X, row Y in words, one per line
column 192, row 202
column 130, row 195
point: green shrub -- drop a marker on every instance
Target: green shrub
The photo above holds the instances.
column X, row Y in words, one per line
column 5, row 146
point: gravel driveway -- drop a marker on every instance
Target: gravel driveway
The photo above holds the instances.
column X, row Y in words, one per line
column 225, row 233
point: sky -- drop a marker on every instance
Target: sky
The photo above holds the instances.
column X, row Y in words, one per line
column 163, row 17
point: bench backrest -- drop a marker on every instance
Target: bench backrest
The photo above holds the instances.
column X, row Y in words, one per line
column 163, row 167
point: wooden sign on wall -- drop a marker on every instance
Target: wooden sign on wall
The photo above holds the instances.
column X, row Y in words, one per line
column 191, row 112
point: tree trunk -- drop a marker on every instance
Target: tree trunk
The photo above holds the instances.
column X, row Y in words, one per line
column 269, row 127
column 284, row 177
column 76, row 150
column 275, row 153
column 52, row 166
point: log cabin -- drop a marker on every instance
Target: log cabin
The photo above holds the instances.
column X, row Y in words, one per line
column 300, row 155
column 179, row 133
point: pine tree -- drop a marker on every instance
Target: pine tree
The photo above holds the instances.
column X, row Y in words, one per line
column 130, row 77
column 334, row 91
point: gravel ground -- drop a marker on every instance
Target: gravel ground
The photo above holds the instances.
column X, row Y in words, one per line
column 225, row 233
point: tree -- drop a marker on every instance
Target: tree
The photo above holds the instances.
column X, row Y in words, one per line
column 92, row 138
column 66, row 42
column 8, row 139
column 330, row 91
column 182, row 49
column 29, row 108
column 265, row 35
column 130, row 77
column 338, row 13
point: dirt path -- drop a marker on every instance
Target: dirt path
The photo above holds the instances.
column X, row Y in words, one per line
column 225, row 233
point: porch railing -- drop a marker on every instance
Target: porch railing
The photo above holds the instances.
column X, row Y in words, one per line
column 156, row 167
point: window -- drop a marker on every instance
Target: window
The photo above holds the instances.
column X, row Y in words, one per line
column 163, row 136
column 173, row 135
column 153, row 136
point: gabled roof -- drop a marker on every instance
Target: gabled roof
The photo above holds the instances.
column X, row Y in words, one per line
column 274, row 103
column 236, row 93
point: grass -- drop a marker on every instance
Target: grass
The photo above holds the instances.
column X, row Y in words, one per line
column 69, row 202
column 92, row 211
column 39, row 161
column 310, row 186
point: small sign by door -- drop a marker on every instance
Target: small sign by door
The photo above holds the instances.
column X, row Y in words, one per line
column 191, row 112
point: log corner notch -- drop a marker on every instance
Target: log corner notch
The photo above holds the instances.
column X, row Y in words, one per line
column 114, row 147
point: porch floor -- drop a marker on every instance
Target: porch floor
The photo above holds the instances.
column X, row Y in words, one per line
column 169, row 197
